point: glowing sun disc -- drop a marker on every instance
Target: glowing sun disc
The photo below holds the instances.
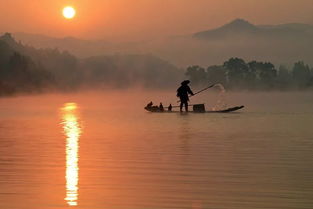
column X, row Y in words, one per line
column 69, row 12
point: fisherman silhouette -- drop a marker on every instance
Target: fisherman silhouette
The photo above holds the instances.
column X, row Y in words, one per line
column 182, row 93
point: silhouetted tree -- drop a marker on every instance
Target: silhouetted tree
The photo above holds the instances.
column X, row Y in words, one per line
column 27, row 75
column 284, row 78
column 216, row 74
column 268, row 75
column 197, row 75
column 263, row 74
column 301, row 74
column 62, row 65
column 21, row 74
column 236, row 72
column 252, row 77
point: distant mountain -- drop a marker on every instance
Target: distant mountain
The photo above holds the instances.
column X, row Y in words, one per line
column 236, row 27
column 242, row 28
column 79, row 47
column 280, row 44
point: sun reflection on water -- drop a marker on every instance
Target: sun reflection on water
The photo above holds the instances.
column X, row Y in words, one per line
column 72, row 130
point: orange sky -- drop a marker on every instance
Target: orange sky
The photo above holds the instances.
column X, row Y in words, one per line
column 144, row 19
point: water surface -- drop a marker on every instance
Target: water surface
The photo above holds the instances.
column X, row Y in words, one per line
column 102, row 150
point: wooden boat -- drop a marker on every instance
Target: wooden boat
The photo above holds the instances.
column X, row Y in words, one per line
column 228, row 110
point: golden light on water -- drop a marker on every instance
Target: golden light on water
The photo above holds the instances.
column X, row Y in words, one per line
column 72, row 130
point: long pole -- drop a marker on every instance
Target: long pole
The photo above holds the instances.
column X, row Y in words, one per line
column 201, row 91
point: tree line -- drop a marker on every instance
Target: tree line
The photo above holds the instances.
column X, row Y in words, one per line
column 236, row 73
column 24, row 69
column 19, row 73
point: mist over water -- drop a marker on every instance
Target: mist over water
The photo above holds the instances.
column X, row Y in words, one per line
column 123, row 157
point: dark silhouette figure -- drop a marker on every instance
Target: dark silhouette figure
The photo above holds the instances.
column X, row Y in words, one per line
column 149, row 105
column 154, row 108
column 161, row 107
column 182, row 93
column 170, row 108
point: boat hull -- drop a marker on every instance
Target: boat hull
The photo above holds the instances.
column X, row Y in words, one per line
column 228, row 110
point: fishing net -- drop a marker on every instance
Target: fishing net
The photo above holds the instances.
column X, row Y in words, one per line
column 221, row 101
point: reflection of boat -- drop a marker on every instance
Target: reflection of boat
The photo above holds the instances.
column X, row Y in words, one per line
column 196, row 109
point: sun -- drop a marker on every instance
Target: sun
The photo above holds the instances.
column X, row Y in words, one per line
column 69, row 12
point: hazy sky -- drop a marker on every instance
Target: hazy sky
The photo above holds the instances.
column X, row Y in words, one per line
column 144, row 19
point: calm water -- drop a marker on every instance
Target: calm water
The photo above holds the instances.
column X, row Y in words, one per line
column 101, row 150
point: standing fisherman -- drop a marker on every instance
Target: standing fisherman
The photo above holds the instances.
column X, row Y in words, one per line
column 182, row 93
